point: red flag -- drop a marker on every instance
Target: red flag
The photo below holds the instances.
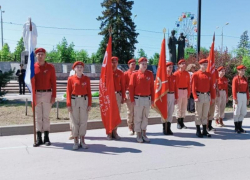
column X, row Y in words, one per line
column 161, row 84
column 107, row 99
column 211, row 64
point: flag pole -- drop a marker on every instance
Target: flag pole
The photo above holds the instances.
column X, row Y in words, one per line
column 164, row 32
column 33, row 104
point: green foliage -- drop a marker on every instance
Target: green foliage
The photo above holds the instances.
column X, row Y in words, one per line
column 95, row 94
column 189, row 51
column 52, row 56
column 83, row 56
column 4, row 79
column 154, row 59
column 117, row 14
column 246, row 62
column 141, row 53
column 244, row 45
column 5, row 53
column 66, row 52
column 19, row 49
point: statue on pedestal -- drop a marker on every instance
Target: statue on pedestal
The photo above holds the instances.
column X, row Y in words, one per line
column 26, row 31
column 172, row 41
column 181, row 46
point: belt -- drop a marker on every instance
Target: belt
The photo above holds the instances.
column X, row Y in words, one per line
column 74, row 96
column 46, row 90
column 118, row 92
column 142, row 96
column 170, row 92
column 182, row 88
column 242, row 92
column 203, row 92
column 127, row 92
column 222, row 89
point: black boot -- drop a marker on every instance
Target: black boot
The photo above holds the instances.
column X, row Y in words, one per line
column 182, row 124
column 237, row 130
column 164, row 128
column 179, row 123
column 210, row 127
column 39, row 140
column 240, row 127
column 204, row 131
column 198, row 131
column 169, row 132
column 46, row 138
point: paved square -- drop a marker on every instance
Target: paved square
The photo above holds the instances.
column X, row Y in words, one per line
column 183, row 156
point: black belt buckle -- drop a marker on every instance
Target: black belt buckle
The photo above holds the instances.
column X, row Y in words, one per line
column 170, row 92
column 46, row 90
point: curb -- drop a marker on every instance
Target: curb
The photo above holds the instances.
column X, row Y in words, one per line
column 94, row 124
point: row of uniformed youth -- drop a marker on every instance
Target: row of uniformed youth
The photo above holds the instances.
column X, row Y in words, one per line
column 136, row 89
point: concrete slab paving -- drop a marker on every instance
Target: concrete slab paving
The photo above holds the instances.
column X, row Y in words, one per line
column 183, row 156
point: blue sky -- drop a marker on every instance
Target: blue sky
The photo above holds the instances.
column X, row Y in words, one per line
column 152, row 15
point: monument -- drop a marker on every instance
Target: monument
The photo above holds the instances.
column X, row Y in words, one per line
column 181, row 46
column 172, row 41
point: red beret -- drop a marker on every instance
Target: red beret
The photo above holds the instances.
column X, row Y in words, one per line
column 142, row 59
column 203, row 61
column 40, row 50
column 241, row 67
column 131, row 61
column 77, row 63
column 220, row 68
column 182, row 61
column 169, row 64
column 114, row 58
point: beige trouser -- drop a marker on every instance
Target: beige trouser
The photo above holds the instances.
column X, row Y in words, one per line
column 211, row 110
column 170, row 100
column 130, row 111
column 181, row 106
column 79, row 116
column 119, row 100
column 42, row 110
column 201, row 109
column 220, row 105
column 240, row 109
column 141, row 111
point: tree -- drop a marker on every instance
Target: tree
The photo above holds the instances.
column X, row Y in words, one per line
column 154, row 59
column 4, row 79
column 5, row 53
column 83, row 56
column 246, row 62
column 53, row 56
column 189, row 51
column 94, row 58
column 141, row 53
column 117, row 14
column 66, row 53
column 19, row 49
column 244, row 45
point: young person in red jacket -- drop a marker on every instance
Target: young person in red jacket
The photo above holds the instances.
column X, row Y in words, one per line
column 130, row 107
column 141, row 91
column 202, row 87
column 221, row 101
column 240, row 98
column 172, row 97
column 45, row 87
column 79, row 101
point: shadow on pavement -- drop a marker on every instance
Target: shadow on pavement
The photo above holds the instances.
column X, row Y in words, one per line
column 155, row 141
column 220, row 133
column 96, row 148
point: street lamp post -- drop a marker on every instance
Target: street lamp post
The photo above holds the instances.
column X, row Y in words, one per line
column 2, row 24
column 222, row 35
column 199, row 29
